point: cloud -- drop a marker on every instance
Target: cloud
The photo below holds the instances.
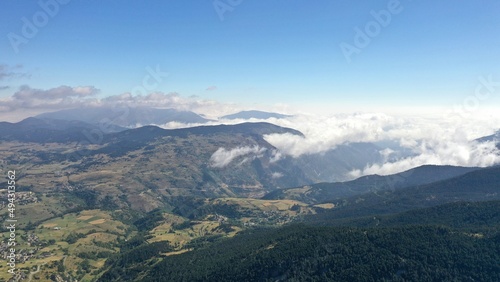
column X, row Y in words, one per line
column 29, row 101
column 276, row 175
column 223, row 157
column 211, row 88
column 473, row 155
column 61, row 92
column 405, row 141
column 426, row 140
column 158, row 99
column 27, row 98
column 325, row 133
column 7, row 72
column 4, row 87
column 276, row 155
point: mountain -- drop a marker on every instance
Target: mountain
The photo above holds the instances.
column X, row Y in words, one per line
column 150, row 167
column 494, row 137
column 327, row 192
column 336, row 164
column 491, row 138
column 254, row 114
column 149, row 204
column 478, row 185
column 125, row 116
column 51, row 130
column 478, row 215
column 248, row 128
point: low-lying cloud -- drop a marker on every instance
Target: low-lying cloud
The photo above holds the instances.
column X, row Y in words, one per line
column 223, row 157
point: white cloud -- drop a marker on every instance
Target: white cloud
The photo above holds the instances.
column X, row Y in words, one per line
column 223, row 157
column 276, row 155
column 276, row 175
column 473, row 155
column 437, row 141
column 29, row 99
column 386, row 153
column 325, row 133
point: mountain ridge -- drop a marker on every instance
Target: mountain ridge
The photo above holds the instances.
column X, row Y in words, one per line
column 326, row 192
column 126, row 116
column 254, row 114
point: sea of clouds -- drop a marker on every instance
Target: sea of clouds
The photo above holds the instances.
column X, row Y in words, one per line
column 436, row 141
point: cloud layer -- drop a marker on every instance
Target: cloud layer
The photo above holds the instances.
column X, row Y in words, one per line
column 438, row 141
column 405, row 142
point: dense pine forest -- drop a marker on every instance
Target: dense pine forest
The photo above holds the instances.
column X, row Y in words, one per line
column 452, row 242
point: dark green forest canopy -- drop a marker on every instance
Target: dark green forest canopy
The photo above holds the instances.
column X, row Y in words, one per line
column 415, row 247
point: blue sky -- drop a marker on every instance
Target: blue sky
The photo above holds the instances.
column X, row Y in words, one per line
column 430, row 53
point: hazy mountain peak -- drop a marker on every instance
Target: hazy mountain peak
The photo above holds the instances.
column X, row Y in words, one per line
column 126, row 116
column 254, row 114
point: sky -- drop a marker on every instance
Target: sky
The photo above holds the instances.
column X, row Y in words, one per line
column 331, row 56
column 424, row 75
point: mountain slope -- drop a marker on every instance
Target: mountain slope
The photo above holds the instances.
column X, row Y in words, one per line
column 483, row 215
column 327, row 192
column 150, row 167
column 304, row 253
column 491, row 138
column 478, row 185
column 51, row 130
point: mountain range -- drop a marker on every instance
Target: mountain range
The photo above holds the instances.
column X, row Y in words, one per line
column 328, row 192
column 220, row 203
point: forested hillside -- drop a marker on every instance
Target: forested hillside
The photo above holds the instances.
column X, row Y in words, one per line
column 428, row 249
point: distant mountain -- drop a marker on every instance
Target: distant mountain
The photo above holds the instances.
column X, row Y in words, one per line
column 494, row 137
column 254, row 114
column 51, row 130
column 326, row 192
column 256, row 128
column 126, row 116
column 334, row 165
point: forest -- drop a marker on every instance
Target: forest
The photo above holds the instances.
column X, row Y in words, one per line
column 452, row 242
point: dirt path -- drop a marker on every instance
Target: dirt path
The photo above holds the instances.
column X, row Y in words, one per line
column 30, row 276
